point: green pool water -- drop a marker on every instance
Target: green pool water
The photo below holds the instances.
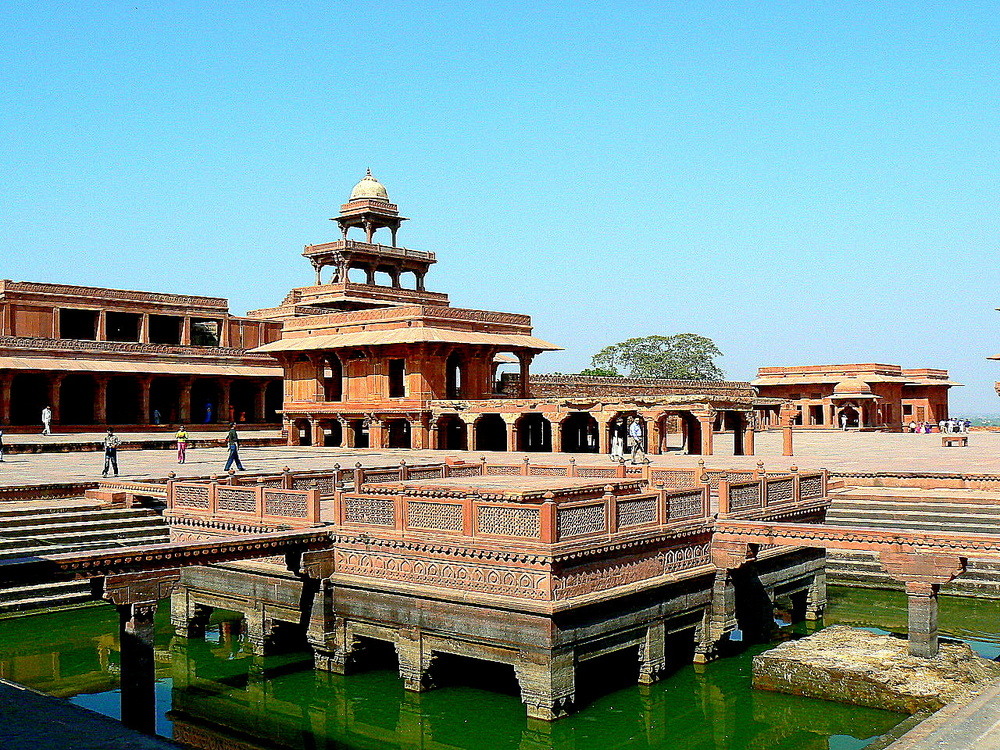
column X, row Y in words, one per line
column 213, row 693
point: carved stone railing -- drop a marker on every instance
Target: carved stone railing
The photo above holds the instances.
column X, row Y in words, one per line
column 129, row 347
column 252, row 505
column 771, row 491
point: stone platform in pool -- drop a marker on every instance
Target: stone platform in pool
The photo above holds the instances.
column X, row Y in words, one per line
column 543, row 574
column 856, row 666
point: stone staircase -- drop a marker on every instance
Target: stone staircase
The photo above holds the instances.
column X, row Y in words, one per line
column 48, row 527
column 914, row 509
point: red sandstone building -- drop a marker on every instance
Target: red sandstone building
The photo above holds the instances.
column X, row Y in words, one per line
column 867, row 396
column 112, row 356
column 371, row 358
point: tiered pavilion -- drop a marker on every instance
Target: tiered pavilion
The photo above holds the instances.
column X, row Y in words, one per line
column 371, row 358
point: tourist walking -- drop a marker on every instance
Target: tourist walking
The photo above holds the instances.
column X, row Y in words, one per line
column 182, row 444
column 617, row 441
column 111, row 443
column 47, row 420
column 233, row 441
column 635, row 439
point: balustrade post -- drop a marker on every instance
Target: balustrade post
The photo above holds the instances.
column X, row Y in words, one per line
column 359, row 476
column 610, row 509
column 724, row 505
column 404, row 471
column 213, row 501
column 548, row 523
column 526, row 467
column 287, row 480
column 796, row 484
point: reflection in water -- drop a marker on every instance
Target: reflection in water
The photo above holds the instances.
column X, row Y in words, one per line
column 215, row 693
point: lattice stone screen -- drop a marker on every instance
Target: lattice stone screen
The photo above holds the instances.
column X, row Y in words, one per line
column 744, row 496
column 285, row 504
column 636, row 512
column 687, row 505
column 435, row 473
column 378, row 511
column 236, row 499
column 502, row 471
column 583, row 519
column 780, row 491
column 674, row 478
column 465, row 471
column 446, row 516
column 520, row 522
column 596, row 472
column 810, row 487
column 190, row 496
column 548, row 471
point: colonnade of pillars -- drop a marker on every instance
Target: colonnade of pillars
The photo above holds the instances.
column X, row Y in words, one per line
column 577, row 432
column 83, row 398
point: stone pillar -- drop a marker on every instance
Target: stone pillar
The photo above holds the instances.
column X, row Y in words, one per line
column 421, row 433
column 434, row 437
column 186, row 331
column 55, row 386
column 787, row 417
column 707, row 422
column 719, row 618
column 376, row 434
column 261, row 415
column 145, row 389
column 511, row 434
column 6, row 383
column 548, row 683
column 524, row 358
column 257, row 630
column 316, row 429
column 369, row 276
column 346, row 433
column 654, row 435
column 135, row 595
column 188, row 620
column 653, row 655
column 225, row 413
column 102, row 326
column 415, row 662
column 748, row 440
column 138, row 667
column 922, row 576
column 922, row 618
column 144, row 329
column 184, row 400
column 816, row 597
column 101, row 399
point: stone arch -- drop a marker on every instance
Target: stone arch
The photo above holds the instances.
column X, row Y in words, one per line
column 579, row 433
column 452, row 433
column 455, row 375
column 490, row 433
column 534, row 433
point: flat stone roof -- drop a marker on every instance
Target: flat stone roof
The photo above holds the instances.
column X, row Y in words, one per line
column 513, row 486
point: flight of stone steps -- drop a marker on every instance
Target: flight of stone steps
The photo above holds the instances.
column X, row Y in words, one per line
column 912, row 509
column 71, row 525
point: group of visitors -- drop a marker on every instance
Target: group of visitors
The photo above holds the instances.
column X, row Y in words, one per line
column 112, row 442
column 629, row 433
column 945, row 425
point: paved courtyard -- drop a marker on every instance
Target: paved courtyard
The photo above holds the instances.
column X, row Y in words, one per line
column 837, row 451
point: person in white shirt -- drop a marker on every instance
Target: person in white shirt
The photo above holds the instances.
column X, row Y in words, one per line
column 47, row 420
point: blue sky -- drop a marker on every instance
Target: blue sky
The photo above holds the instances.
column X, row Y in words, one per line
column 801, row 182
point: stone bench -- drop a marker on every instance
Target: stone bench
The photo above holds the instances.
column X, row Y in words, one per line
column 949, row 440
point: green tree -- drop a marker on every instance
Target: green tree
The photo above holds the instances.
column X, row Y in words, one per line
column 601, row 372
column 683, row 356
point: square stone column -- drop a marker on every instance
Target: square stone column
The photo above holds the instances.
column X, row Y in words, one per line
column 922, row 618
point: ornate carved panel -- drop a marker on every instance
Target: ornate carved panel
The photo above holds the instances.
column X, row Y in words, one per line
column 285, row 503
column 447, row 516
column 527, row 584
column 548, row 471
column 810, row 487
column 583, row 519
column 236, row 499
column 190, row 496
column 744, row 496
column 688, row 505
column 780, row 491
column 521, row 522
column 636, row 512
column 601, row 576
column 378, row 511
column 502, row 471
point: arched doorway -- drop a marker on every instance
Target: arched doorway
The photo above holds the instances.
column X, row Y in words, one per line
column 852, row 415
column 333, row 379
column 579, row 433
column 452, row 433
column 454, row 376
column 534, row 433
column 491, row 433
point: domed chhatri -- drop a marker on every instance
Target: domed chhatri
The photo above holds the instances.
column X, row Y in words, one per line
column 369, row 188
column 852, row 386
